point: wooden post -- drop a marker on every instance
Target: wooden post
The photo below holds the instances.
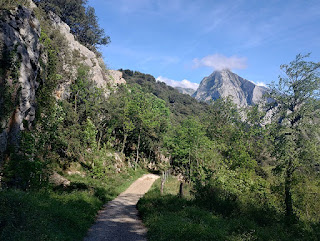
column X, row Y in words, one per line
column 162, row 182
column 181, row 190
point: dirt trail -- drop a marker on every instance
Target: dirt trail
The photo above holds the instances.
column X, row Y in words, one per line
column 118, row 220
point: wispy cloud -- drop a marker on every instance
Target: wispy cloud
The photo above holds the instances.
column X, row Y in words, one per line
column 184, row 83
column 259, row 83
column 219, row 62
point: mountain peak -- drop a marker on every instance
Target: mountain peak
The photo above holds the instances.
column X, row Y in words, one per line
column 224, row 83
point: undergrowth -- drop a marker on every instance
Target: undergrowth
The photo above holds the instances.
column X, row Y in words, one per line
column 58, row 213
column 170, row 217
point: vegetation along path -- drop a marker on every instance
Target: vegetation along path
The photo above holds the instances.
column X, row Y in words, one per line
column 118, row 220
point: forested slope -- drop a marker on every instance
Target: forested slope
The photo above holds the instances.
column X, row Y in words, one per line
column 72, row 138
column 181, row 105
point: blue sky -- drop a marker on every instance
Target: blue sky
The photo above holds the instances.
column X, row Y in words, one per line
column 182, row 41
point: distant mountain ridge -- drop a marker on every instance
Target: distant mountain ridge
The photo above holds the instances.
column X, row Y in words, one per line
column 225, row 83
column 187, row 91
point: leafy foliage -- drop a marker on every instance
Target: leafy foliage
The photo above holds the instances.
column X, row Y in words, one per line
column 81, row 19
column 169, row 217
column 295, row 128
column 61, row 214
column 9, row 4
column 244, row 175
column 181, row 105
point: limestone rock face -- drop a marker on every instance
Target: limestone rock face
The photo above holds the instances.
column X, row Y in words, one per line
column 98, row 73
column 187, row 91
column 19, row 37
column 227, row 84
column 115, row 77
column 20, row 40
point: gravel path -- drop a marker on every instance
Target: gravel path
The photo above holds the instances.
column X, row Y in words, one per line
column 118, row 220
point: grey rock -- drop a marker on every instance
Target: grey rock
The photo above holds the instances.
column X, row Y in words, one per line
column 186, row 91
column 227, row 84
column 57, row 180
column 19, row 33
column 102, row 77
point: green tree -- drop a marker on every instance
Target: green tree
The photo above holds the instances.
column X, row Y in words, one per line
column 137, row 119
column 221, row 119
column 223, row 124
column 86, row 97
column 295, row 124
column 81, row 19
column 191, row 150
column 149, row 115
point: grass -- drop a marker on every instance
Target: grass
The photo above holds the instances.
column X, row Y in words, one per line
column 169, row 217
column 60, row 214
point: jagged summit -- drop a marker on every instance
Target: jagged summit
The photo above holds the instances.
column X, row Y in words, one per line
column 224, row 83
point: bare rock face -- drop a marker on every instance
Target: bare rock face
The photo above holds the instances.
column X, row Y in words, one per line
column 115, row 77
column 186, row 91
column 98, row 72
column 20, row 46
column 20, row 54
column 227, row 84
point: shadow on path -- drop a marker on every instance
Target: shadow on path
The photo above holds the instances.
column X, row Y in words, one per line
column 118, row 220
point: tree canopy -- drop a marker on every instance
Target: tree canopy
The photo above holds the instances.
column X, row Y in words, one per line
column 81, row 19
column 295, row 123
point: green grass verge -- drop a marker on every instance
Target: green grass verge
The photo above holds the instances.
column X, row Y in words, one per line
column 61, row 214
column 169, row 217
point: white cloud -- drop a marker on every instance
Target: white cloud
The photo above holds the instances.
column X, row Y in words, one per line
column 220, row 62
column 260, row 83
column 184, row 83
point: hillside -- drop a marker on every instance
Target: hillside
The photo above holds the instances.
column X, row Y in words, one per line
column 187, row 91
column 74, row 135
column 181, row 105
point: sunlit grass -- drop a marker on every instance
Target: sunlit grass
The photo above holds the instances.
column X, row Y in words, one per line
column 169, row 217
column 63, row 214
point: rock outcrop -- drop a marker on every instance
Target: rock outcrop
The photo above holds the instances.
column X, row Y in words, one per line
column 227, row 84
column 20, row 55
column 187, row 91
column 98, row 72
column 20, row 47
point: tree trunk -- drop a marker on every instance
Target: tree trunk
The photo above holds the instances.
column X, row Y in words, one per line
column 288, row 195
column 181, row 190
column 99, row 140
column 75, row 103
column 137, row 158
column 1, row 174
column 162, row 183
column 124, row 142
column 190, row 170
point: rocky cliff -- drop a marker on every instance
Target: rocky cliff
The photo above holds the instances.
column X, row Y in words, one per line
column 21, row 53
column 98, row 72
column 227, row 84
